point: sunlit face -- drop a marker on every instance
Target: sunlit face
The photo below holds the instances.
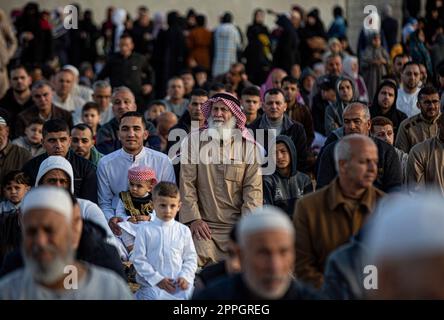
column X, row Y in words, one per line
column 195, row 107
column 126, row 46
column 4, row 136
column 346, row 91
column 15, row 192
column 123, row 102
column 42, row 98
column 155, row 111
column 291, row 91
column 102, row 96
column 64, row 83
column 220, row 113
column 385, row 133
column 251, row 104
column 362, row 169
column 132, row 134
column 355, row 122
column 386, row 98
column 57, row 178
column 430, row 106
column 166, row 207
column 411, row 76
column 275, row 106
column 283, row 157
column 20, row 80
column 91, row 117
column 48, row 244
column 334, row 66
column 82, row 142
column 139, row 189
column 267, row 262
column 33, row 133
column 57, row 143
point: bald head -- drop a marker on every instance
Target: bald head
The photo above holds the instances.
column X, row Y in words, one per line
column 165, row 122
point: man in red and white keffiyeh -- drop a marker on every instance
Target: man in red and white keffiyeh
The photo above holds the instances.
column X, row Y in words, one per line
column 223, row 112
column 216, row 193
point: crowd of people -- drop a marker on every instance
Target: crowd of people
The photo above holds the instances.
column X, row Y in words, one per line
column 164, row 160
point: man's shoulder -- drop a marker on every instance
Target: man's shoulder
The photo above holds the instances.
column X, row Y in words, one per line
column 156, row 154
column 79, row 161
column 411, row 122
column 11, row 281
column 111, row 285
column 222, row 289
column 109, row 157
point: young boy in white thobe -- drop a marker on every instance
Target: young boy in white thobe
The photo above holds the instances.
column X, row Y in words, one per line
column 164, row 255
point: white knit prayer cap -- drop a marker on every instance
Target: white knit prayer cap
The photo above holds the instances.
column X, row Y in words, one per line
column 48, row 197
column 406, row 227
column 264, row 218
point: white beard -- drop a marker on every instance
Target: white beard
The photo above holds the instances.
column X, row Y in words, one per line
column 49, row 273
column 221, row 130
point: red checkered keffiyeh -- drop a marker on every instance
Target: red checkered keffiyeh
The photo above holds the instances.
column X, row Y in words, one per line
column 235, row 107
column 142, row 173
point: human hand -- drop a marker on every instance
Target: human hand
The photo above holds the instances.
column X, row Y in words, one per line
column 132, row 219
column 167, row 284
column 113, row 225
column 182, row 283
column 143, row 218
column 200, row 230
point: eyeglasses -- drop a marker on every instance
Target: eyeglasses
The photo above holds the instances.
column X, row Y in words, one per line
column 430, row 102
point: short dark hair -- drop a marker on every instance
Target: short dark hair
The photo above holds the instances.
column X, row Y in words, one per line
column 40, row 84
column 83, row 127
column 410, row 63
column 274, row 91
column 18, row 66
column 427, row 90
column 199, row 93
column 35, row 121
column 90, row 106
column 156, row 103
column 165, row 189
column 55, row 125
column 126, row 35
column 16, row 176
column 290, row 79
column 251, row 91
column 380, row 121
column 217, row 86
column 134, row 114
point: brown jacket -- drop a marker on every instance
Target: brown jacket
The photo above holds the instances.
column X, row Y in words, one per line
column 415, row 130
column 27, row 115
column 12, row 157
column 425, row 165
column 324, row 220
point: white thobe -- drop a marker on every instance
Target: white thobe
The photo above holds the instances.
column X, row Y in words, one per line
column 407, row 102
column 164, row 250
column 112, row 174
column 97, row 284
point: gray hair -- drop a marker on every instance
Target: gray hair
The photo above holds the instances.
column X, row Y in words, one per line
column 123, row 89
column 358, row 104
column 101, row 84
column 40, row 84
column 343, row 149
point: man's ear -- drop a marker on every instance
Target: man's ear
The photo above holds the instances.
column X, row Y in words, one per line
column 146, row 134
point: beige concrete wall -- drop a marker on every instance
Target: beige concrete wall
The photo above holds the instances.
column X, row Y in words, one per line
column 241, row 9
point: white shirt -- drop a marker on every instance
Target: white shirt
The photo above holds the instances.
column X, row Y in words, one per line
column 71, row 104
column 406, row 102
column 90, row 211
column 7, row 206
column 164, row 249
column 106, row 115
column 97, row 284
column 112, row 174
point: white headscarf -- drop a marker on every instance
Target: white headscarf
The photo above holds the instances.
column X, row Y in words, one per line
column 48, row 197
column 118, row 19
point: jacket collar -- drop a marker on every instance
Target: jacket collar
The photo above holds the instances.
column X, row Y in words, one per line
column 420, row 116
column 336, row 198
